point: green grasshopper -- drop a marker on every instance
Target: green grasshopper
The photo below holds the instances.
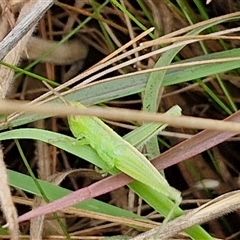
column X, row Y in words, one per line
column 120, row 154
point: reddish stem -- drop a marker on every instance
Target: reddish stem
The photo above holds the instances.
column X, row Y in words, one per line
column 189, row 148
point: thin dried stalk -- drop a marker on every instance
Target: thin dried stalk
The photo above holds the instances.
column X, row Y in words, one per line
column 7, row 204
column 6, row 76
column 27, row 23
column 13, row 57
column 216, row 208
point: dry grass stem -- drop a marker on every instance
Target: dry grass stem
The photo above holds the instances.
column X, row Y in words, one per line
column 215, row 208
column 8, row 106
column 6, row 75
column 25, row 25
column 7, row 204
